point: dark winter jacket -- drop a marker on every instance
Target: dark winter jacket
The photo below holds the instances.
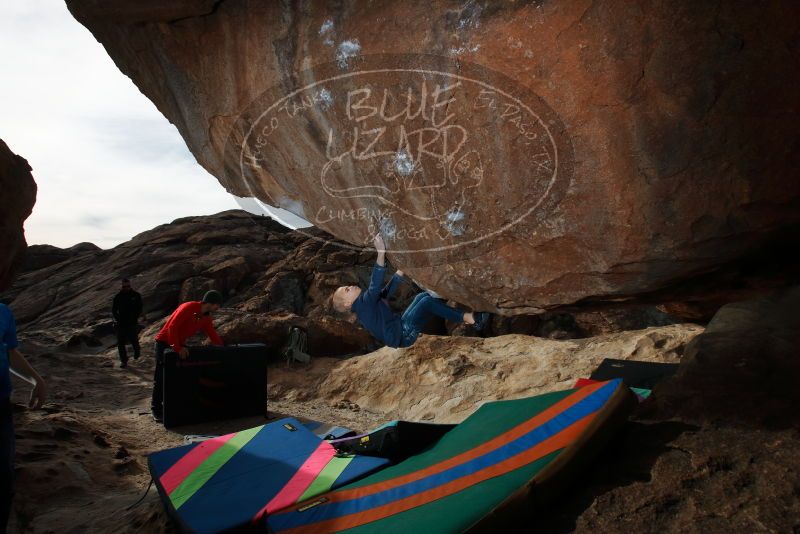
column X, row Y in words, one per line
column 127, row 307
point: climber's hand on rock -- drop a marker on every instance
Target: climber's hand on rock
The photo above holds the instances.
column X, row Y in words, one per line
column 380, row 246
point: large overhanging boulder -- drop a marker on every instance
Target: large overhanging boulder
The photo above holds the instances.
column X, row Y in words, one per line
column 17, row 196
column 516, row 156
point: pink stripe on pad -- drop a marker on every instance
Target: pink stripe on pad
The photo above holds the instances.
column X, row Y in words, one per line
column 176, row 474
column 301, row 480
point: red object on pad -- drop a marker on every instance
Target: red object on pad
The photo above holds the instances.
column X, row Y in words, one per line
column 185, row 322
column 584, row 382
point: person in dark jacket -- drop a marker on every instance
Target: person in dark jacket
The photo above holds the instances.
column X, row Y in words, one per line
column 378, row 319
column 11, row 358
column 126, row 310
column 187, row 320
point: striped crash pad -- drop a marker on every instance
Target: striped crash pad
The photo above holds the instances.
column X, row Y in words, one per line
column 323, row 430
column 642, row 394
column 328, row 431
column 482, row 474
column 232, row 481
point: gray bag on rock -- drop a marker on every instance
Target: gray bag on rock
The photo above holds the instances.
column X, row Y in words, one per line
column 296, row 347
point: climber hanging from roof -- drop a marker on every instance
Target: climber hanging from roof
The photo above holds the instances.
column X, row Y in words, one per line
column 378, row 319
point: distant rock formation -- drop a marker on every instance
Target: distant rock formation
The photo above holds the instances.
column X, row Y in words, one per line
column 41, row 256
column 271, row 278
column 518, row 156
column 17, row 196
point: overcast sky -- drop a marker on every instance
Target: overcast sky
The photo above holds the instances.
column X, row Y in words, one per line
column 107, row 163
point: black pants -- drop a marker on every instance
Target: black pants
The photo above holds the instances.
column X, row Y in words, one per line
column 157, row 404
column 127, row 333
column 6, row 462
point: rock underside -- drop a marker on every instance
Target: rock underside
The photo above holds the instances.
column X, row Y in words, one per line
column 518, row 156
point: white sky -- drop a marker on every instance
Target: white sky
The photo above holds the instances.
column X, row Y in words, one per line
column 108, row 165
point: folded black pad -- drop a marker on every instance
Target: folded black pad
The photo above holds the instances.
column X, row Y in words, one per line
column 634, row 374
column 396, row 441
column 215, row 383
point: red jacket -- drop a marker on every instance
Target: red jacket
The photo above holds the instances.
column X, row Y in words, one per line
column 185, row 322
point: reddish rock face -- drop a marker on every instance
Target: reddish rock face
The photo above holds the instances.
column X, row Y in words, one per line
column 515, row 157
column 16, row 202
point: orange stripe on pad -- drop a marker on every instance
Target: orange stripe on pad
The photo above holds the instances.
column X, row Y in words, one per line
column 550, row 445
column 495, row 443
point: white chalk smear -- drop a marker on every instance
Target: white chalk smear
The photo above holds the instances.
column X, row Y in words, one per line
column 325, row 97
column 346, row 51
column 454, row 222
column 325, row 30
column 464, row 49
column 388, row 228
column 403, row 163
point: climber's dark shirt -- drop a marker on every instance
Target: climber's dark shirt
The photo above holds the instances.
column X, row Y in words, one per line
column 374, row 313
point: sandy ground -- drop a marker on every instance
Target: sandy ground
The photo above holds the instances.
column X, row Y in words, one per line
column 81, row 461
column 695, row 457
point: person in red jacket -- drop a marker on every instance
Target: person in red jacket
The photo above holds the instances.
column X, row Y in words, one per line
column 188, row 319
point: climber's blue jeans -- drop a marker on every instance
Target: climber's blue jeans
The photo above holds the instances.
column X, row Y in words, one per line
column 422, row 309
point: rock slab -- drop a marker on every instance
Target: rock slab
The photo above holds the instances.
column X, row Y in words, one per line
column 518, row 156
column 16, row 203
